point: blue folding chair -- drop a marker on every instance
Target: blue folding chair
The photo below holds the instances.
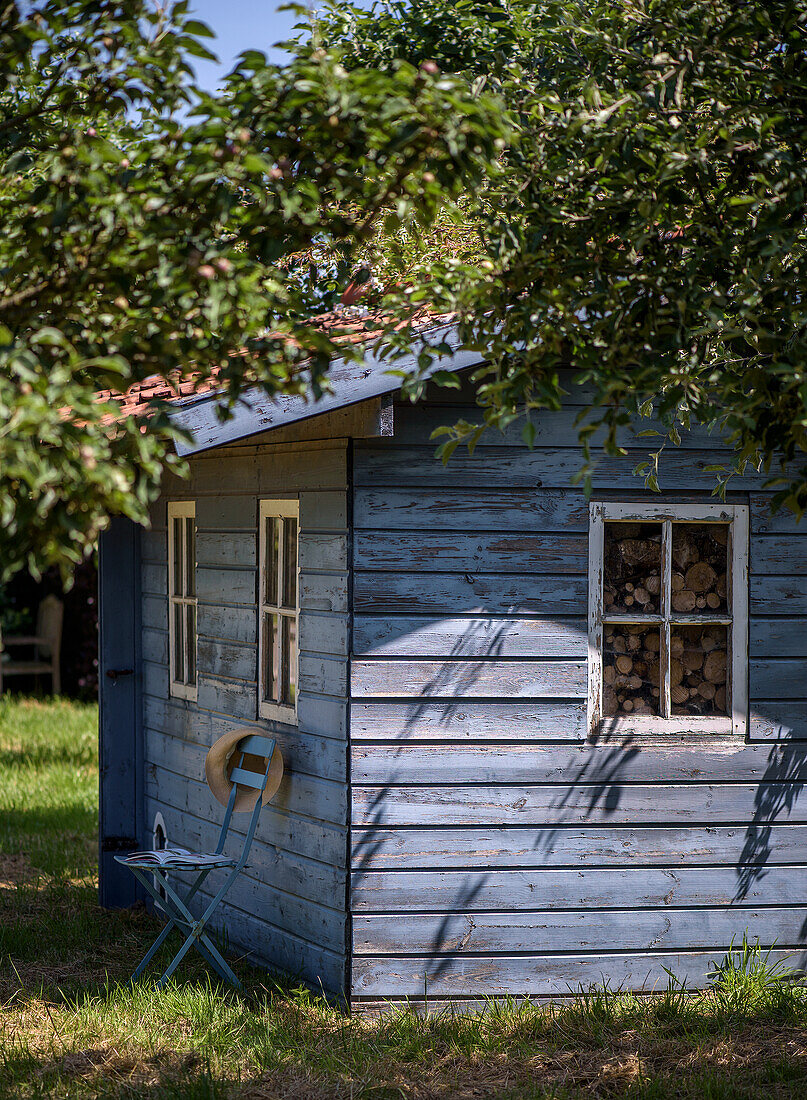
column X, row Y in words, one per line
column 154, row 876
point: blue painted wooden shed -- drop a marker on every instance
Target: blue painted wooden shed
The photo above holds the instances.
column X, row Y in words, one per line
column 532, row 741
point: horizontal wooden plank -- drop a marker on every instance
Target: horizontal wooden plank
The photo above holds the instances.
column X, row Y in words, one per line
column 317, row 799
column 154, row 645
column 226, row 587
column 469, row 594
column 323, row 511
column 154, row 579
column 237, row 549
column 306, row 752
column 578, row 888
column 530, row 509
column 491, row 552
column 427, row 636
column 514, row 467
column 262, row 472
column 360, row 420
column 777, row 637
column 461, row 933
column 602, row 764
column 324, row 592
column 318, row 840
column 227, row 513
column 154, row 612
column 778, row 678
column 469, row 679
column 231, row 624
column 501, row 847
column 323, row 550
column 778, row 596
column 465, row 720
column 322, row 714
column 617, row 803
column 547, row 975
column 783, row 522
column 154, row 679
column 324, row 632
column 414, row 425
column 323, row 675
column 236, row 698
column 773, row 721
column 779, row 553
column 229, row 659
column 154, row 546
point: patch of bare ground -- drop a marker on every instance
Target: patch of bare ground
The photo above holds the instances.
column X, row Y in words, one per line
column 16, row 871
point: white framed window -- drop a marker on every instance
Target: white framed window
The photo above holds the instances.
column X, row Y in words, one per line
column 668, row 618
column 182, row 597
column 278, row 609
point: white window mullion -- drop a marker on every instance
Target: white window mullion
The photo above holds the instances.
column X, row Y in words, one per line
column 737, row 603
column 665, row 608
column 182, row 599
column 276, row 669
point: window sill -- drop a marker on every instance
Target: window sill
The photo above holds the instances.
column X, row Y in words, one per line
column 679, row 726
column 273, row 712
column 184, row 691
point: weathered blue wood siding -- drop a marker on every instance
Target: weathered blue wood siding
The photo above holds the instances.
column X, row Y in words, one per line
column 494, row 850
column 288, row 908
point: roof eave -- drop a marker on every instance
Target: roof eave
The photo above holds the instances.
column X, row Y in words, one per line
column 351, row 383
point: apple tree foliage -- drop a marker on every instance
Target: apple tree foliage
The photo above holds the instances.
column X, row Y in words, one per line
column 151, row 229
column 646, row 223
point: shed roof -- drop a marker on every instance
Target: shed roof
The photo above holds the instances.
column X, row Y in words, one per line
column 256, row 412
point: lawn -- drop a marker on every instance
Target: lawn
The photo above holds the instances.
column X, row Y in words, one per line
column 69, row 1029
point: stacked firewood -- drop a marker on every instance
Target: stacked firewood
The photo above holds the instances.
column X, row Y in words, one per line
column 631, row 670
column 698, row 670
column 698, row 654
column 633, row 568
column 699, row 568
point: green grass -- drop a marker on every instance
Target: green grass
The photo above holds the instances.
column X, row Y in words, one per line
column 68, row 1028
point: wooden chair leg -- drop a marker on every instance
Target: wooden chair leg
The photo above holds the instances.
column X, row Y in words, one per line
column 57, row 673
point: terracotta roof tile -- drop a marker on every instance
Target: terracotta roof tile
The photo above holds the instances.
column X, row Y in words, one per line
column 350, row 325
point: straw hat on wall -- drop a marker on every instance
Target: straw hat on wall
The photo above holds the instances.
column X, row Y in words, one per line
column 222, row 758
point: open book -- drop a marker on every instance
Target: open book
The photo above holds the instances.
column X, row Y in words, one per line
column 176, row 857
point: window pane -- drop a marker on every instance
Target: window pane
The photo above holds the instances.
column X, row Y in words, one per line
column 176, row 538
column 290, row 563
column 271, row 536
column 700, row 561
column 190, row 556
column 631, row 670
column 190, row 611
column 289, row 661
column 270, row 658
column 632, row 574
column 179, row 645
column 698, row 669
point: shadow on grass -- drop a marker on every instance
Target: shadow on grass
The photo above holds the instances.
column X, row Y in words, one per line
column 57, row 943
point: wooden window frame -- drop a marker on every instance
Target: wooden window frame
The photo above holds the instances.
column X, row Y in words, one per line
column 284, row 508
column 181, row 689
column 735, row 619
